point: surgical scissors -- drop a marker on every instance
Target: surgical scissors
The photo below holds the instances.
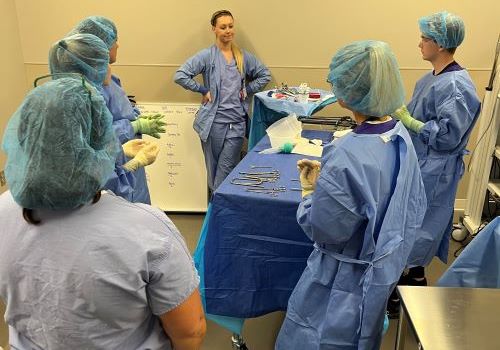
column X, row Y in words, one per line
column 253, row 182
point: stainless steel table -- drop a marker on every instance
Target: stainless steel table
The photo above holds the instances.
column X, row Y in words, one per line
column 450, row 318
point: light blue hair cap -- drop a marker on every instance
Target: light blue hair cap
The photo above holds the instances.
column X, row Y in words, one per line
column 365, row 75
column 80, row 53
column 101, row 27
column 447, row 29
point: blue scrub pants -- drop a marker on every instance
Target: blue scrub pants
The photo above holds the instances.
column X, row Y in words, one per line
column 222, row 151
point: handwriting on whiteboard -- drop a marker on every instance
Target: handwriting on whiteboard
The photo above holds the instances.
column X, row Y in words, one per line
column 177, row 179
column 173, row 132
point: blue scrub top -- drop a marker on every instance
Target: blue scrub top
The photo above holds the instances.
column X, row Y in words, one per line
column 96, row 277
column 230, row 109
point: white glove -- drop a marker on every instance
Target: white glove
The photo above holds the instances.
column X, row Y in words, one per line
column 132, row 147
column 309, row 173
column 147, row 155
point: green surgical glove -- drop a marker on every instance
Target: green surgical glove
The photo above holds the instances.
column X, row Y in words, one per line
column 152, row 127
column 309, row 173
column 407, row 120
column 152, row 116
column 145, row 156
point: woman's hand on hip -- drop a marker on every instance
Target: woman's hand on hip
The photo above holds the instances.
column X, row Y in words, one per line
column 206, row 98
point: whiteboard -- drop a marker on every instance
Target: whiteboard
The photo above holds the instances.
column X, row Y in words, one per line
column 177, row 180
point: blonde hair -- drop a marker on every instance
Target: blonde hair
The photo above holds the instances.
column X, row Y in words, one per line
column 238, row 57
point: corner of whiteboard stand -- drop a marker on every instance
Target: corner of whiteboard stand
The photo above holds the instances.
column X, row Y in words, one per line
column 185, row 211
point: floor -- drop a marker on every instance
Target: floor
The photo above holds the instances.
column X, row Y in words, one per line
column 259, row 333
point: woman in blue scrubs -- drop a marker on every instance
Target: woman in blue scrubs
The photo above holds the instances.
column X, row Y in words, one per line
column 230, row 76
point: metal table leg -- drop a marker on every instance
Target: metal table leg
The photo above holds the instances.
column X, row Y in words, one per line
column 402, row 330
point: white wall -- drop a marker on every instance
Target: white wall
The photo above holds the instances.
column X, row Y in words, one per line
column 12, row 91
column 297, row 33
column 12, row 70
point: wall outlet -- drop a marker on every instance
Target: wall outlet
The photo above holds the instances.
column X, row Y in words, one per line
column 3, row 182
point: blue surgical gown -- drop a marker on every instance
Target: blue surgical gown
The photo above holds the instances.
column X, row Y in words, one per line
column 479, row 264
column 363, row 215
column 135, row 190
column 121, row 182
column 448, row 105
